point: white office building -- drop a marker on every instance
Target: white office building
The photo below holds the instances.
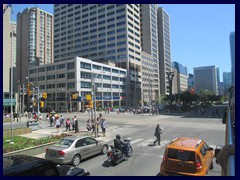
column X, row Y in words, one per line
column 68, row 82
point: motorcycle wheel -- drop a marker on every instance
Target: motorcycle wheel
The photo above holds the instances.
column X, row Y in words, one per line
column 130, row 151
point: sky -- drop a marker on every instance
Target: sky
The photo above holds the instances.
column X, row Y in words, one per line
column 199, row 33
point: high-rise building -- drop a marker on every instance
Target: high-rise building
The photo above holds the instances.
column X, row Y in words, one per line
column 9, row 57
column 227, row 81
column 149, row 59
column 107, row 32
column 232, row 50
column 165, row 62
column 34, row 40
column 181, row 77
column 205, row 78
column 190, row 81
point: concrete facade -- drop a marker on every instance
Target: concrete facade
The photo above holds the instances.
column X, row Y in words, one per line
column 61, row 80
column 150, row 69
column 165, row 61
column 35, row 40
column 104, row 32
column 205, row 78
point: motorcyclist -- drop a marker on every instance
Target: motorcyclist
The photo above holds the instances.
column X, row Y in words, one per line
column 121, row 145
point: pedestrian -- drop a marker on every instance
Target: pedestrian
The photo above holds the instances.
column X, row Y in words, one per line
column 97, row 126
column 57, row 123
column 158, row 132
column 68, row 124
column 61, row 121
column 93, row 126
column 103, row 126
column 73, row 124
column 88, row 125
column 76, row 124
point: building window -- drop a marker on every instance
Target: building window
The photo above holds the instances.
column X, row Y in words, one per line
column 70, row 65
column 71, row 75
column 85, row 65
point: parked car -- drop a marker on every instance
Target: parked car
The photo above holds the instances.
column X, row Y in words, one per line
column 72, row 149
column 187, row 157
column 22, row 165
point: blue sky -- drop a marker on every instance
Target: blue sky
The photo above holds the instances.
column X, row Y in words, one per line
column 199, row 33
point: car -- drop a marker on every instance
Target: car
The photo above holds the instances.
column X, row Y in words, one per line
column 73, row 149
column 23, row 165
column 187, row 156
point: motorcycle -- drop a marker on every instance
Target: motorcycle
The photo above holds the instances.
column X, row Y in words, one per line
column 115, row 156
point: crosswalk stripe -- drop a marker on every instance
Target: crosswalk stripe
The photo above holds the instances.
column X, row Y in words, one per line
column 135, row 141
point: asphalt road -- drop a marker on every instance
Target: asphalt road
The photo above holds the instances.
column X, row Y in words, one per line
column 146, row 158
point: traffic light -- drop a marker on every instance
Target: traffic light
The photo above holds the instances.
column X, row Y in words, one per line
column 90, row 104
column 74, row 96
column 41, row 104
column 88, row 97
column 29, row 92
column 44, row 95
column 192, row 90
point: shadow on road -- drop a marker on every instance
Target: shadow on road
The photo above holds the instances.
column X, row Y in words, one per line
column 106, row 164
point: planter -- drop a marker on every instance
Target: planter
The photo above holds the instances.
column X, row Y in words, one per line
column 30, row 151
column 7, row 133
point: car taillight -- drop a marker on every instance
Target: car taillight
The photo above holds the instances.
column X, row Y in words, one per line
column 164, row 158
column 198, row 164
column 61, row 152
column 109, row 153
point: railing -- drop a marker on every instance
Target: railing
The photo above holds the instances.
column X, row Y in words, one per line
column 230, row 138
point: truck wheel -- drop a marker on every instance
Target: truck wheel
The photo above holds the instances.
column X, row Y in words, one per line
column 76, row 160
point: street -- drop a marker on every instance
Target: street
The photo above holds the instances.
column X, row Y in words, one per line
column 146, row 158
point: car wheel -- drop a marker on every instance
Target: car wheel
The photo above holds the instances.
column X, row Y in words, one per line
column 76, row 160
column 104, row 149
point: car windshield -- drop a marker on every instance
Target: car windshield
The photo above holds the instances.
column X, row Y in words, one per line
column 181, row 154
column 65, row 142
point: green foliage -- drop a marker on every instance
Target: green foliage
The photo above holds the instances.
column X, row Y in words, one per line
column 22, row 142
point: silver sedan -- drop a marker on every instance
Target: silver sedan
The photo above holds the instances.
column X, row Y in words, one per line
column 72, row 149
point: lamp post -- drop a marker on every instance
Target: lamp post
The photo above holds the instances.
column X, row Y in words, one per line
column 11, row 93
column 70, row 102
column 93, row 76
column 170, row 76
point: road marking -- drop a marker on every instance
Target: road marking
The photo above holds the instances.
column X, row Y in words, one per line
column 135, row 141
column 149, row 143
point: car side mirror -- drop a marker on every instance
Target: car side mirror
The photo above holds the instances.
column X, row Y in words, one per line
column 217, row 150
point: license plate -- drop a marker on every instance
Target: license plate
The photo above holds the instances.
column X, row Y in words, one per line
column 52, row 153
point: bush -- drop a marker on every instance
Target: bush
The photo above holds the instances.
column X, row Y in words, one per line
column 22, row 142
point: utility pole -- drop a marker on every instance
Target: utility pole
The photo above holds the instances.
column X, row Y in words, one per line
column 170, row 76
column 23, row 95
column 94, row 105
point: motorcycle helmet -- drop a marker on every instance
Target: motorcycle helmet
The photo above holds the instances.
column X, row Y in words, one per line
column 118, row 136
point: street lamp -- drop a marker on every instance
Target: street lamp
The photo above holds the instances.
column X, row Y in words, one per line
column 170, row 76
column 67, row 92
column 93, row 77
